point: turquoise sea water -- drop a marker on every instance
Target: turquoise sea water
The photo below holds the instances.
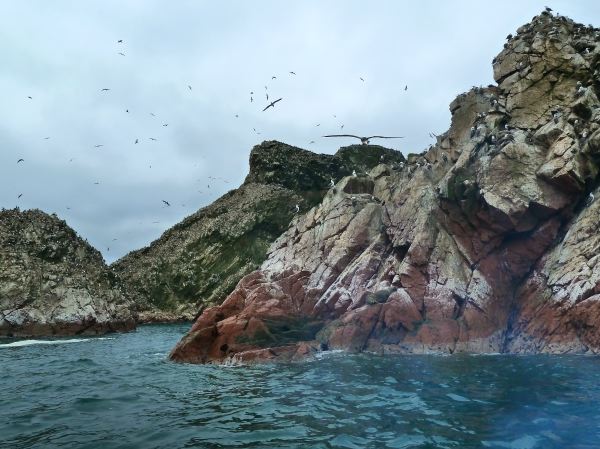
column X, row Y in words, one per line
column 121, row 392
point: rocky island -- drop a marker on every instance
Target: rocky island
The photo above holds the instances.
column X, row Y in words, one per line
column 52, row 282
column 489, row 241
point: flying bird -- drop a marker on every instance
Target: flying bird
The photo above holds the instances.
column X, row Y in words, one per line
column 122, row 54
column 365, row 140
column 152, row 138
column 20, row 160
column 98, row 146
column 362, row 79
column 136, row 141
column 273, row 77
column 406, row 87
column 166, row 202
column 152, row 114
column 127, row 110
column 189, row 87
column 46, row 138
column 20, row 195
column 272, row 104
column 120, row 41
column 31, row 98
column 105, row 89
column 292, row 73
column 165, row 124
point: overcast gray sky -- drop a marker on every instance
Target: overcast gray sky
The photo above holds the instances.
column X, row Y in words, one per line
column 62, row 53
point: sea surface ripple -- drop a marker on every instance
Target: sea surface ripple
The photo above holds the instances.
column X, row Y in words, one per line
column 121, row 392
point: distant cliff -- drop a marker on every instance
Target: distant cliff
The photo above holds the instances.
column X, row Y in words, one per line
column 487, row 242
column 198, row 262
column 54, row 283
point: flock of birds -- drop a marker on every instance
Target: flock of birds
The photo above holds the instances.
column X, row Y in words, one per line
column 271, row 104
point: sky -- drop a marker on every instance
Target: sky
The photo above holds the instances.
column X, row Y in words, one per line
column 78, row 141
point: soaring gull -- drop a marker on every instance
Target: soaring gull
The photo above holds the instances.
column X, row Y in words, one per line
column 365, row 140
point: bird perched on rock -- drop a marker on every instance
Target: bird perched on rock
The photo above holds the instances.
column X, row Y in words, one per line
column 297, row 208
column 591, row 198
column 364, row 140
column 354, row 173
column 555, row 116
column 331, row 183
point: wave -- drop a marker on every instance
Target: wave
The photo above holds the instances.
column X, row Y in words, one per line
column 21, row 343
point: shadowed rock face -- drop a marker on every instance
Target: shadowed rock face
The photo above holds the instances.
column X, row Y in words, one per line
column 487, row 242
column 198, row 262
column 54, row 283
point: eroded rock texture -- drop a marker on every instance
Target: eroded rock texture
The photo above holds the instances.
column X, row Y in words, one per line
column 486, row 242
column 198, row 262
column 53, row 283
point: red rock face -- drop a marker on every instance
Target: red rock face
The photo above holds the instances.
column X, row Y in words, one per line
column 487, row 242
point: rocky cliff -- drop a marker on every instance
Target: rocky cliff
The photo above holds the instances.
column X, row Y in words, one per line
column 52, row 282
column 198, row 262
column 489, row 241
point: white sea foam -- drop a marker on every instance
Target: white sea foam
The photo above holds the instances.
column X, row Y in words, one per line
column 21, row 343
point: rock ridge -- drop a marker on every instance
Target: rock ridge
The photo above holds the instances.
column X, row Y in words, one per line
column 199, row 261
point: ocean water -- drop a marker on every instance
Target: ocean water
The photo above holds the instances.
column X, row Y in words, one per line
column 121, row 392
